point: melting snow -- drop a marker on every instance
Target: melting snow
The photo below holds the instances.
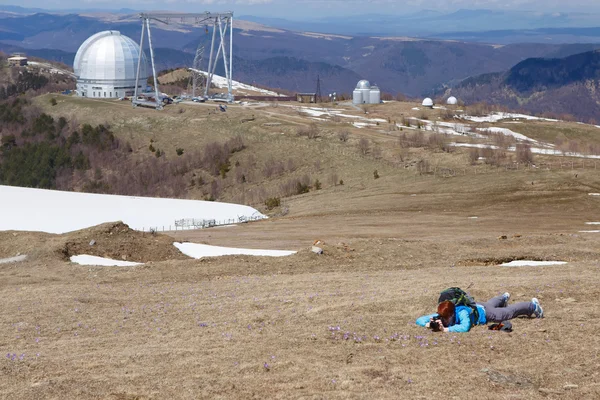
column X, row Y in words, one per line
column 497, row 116
column 529, row 263
column 13, row 259
column 506, row 132
column 53, row 211
column 85, row 259
column 594, row 194
column 221, row 82
column 589, row 231
column 197, row 250
column 592, row 223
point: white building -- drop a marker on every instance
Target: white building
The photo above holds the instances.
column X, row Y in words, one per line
column 106, row 65
column 452, row 101
column 366, row 94
column 427, row 102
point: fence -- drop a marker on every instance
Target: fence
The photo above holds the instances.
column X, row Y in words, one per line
column 192, row 223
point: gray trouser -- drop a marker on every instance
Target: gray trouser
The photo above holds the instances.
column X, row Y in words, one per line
column 496, row 310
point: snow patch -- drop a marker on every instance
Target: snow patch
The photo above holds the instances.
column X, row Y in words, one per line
column 589, row 231
column 497, row 116
column 196, row 250
column 529, row 263
column 221, row 82
column 592, row 223
column 8, row 260
column 85, row 259
column 594, row 194
column 506, row 132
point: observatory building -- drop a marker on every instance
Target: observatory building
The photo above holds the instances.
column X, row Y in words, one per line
column 452, row 101
column 366, row 94
column 427, row 102
column 106, row 65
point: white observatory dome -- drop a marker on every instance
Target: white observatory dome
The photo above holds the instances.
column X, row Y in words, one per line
column 427, row 102
column 106, row 65
column 364, row 84
column 452, row 101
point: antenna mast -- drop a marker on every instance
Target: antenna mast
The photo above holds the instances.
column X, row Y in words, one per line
column 318, row 91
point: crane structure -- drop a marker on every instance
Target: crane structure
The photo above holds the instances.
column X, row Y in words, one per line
column 220, row 22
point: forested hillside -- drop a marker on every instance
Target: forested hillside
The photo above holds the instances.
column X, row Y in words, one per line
column 565, row 87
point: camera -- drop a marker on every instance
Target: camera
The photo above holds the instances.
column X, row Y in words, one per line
column 436, row 325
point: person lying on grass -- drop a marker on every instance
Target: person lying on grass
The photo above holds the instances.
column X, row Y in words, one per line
column 451, row 318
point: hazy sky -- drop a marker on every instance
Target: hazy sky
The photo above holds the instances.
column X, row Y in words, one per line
column 315, row 8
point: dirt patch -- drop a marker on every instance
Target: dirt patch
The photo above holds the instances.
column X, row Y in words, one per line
column 117, row 241
column 508, row 379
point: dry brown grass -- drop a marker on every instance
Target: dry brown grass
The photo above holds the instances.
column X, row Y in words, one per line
column 245, row 327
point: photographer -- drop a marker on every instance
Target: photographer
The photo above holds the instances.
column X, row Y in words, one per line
column 451, row 318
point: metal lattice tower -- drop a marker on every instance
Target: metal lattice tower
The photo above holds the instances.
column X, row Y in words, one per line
column 219, row 21
column 197, row 65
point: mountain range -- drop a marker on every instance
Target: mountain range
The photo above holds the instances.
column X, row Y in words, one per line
column 289, row 59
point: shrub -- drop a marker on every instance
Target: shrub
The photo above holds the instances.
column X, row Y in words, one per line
column 53, row 101
column 151, row 148
column 524, row 154
column 272, row 202
column 317, row 185
column 311, row 131
column 343, row 135
column 179, row 151
column 302, row 188
column 341, row 182
column 375, row 174
column 363, row 146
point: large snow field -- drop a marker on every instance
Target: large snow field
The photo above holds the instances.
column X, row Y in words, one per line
column 53, row 211
column 197, row 250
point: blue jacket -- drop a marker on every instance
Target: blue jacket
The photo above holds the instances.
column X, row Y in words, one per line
column 463, row 319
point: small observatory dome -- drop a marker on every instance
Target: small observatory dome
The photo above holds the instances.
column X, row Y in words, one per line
column 427, row 102
column 452, row 101
column 106, row 65
column 364, row 84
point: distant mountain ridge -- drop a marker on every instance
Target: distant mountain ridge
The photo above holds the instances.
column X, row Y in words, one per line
column 412, row 66
column 569, row 85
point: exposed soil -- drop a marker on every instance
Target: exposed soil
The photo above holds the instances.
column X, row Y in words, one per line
column 117, row 241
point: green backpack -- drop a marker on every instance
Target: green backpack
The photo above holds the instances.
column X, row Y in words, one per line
column 460, row 298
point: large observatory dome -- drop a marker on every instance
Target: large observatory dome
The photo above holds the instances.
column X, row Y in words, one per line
column 106, row 65
column 452, row 101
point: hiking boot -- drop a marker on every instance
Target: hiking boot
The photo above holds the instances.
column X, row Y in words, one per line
column 538, row 312
column 506, row 297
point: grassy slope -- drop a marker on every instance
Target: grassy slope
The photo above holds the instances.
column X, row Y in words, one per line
column 205, row 329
